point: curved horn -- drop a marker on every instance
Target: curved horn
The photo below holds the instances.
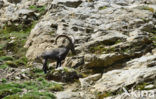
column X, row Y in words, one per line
column 73, row 39
column 63, row 36
column 71, row 43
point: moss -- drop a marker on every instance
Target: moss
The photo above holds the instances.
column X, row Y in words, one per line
column 102, row 8
column 154, row 39
column 100, row 49
column 100, row 95
column 147, row 8
column 56, row 87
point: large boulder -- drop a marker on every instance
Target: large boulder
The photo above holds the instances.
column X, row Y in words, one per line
column 103, row 60
column 116, row 79
column 136, row 71
column 63, row 74
column 88, row 81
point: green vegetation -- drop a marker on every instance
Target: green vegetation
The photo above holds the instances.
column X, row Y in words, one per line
column 32, row 95
column 3, row 66
column 100, row 49
column 102, row 8
column 6, row 58
column 154, row 39
column 100, row 95
column 39, row 9
column 35, row 73
column 146, row 8
column 4, row 80
column 13, row 90
column 12, row 40
column 12, row 62
column 142, row 86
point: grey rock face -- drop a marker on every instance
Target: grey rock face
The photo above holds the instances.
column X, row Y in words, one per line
column 136, row 71
column 108, row 34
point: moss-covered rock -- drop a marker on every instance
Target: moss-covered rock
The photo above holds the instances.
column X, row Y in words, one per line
column 63, row 74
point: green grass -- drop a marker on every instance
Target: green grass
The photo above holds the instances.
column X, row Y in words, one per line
column 3, row 66
column 6, row 58
column 154, row 39
column 12, row 62
column 9, row 89
column 32, row 95
column 39, row 9
column 4, row 80
column 13, row 90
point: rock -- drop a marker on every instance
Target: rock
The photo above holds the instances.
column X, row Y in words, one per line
column 147, row 60
column 135, row 71
column 122, row 78
column 74, row 62
column 63, row 74
column 36, row 40
column 103, row 60
column 88, row 81
column 68, row 95
column 135, row 94
column 69, row 3
column 149, row 86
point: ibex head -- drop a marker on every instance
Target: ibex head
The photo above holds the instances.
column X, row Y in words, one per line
column 71, row 42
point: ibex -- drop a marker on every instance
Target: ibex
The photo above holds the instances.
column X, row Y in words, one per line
column 57, row 54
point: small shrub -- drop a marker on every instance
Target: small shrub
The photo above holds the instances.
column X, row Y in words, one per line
column 4, row 80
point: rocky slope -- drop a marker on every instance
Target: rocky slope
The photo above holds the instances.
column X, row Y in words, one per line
column 115, row 42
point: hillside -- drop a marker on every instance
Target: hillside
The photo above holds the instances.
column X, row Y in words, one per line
column 115, row 44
